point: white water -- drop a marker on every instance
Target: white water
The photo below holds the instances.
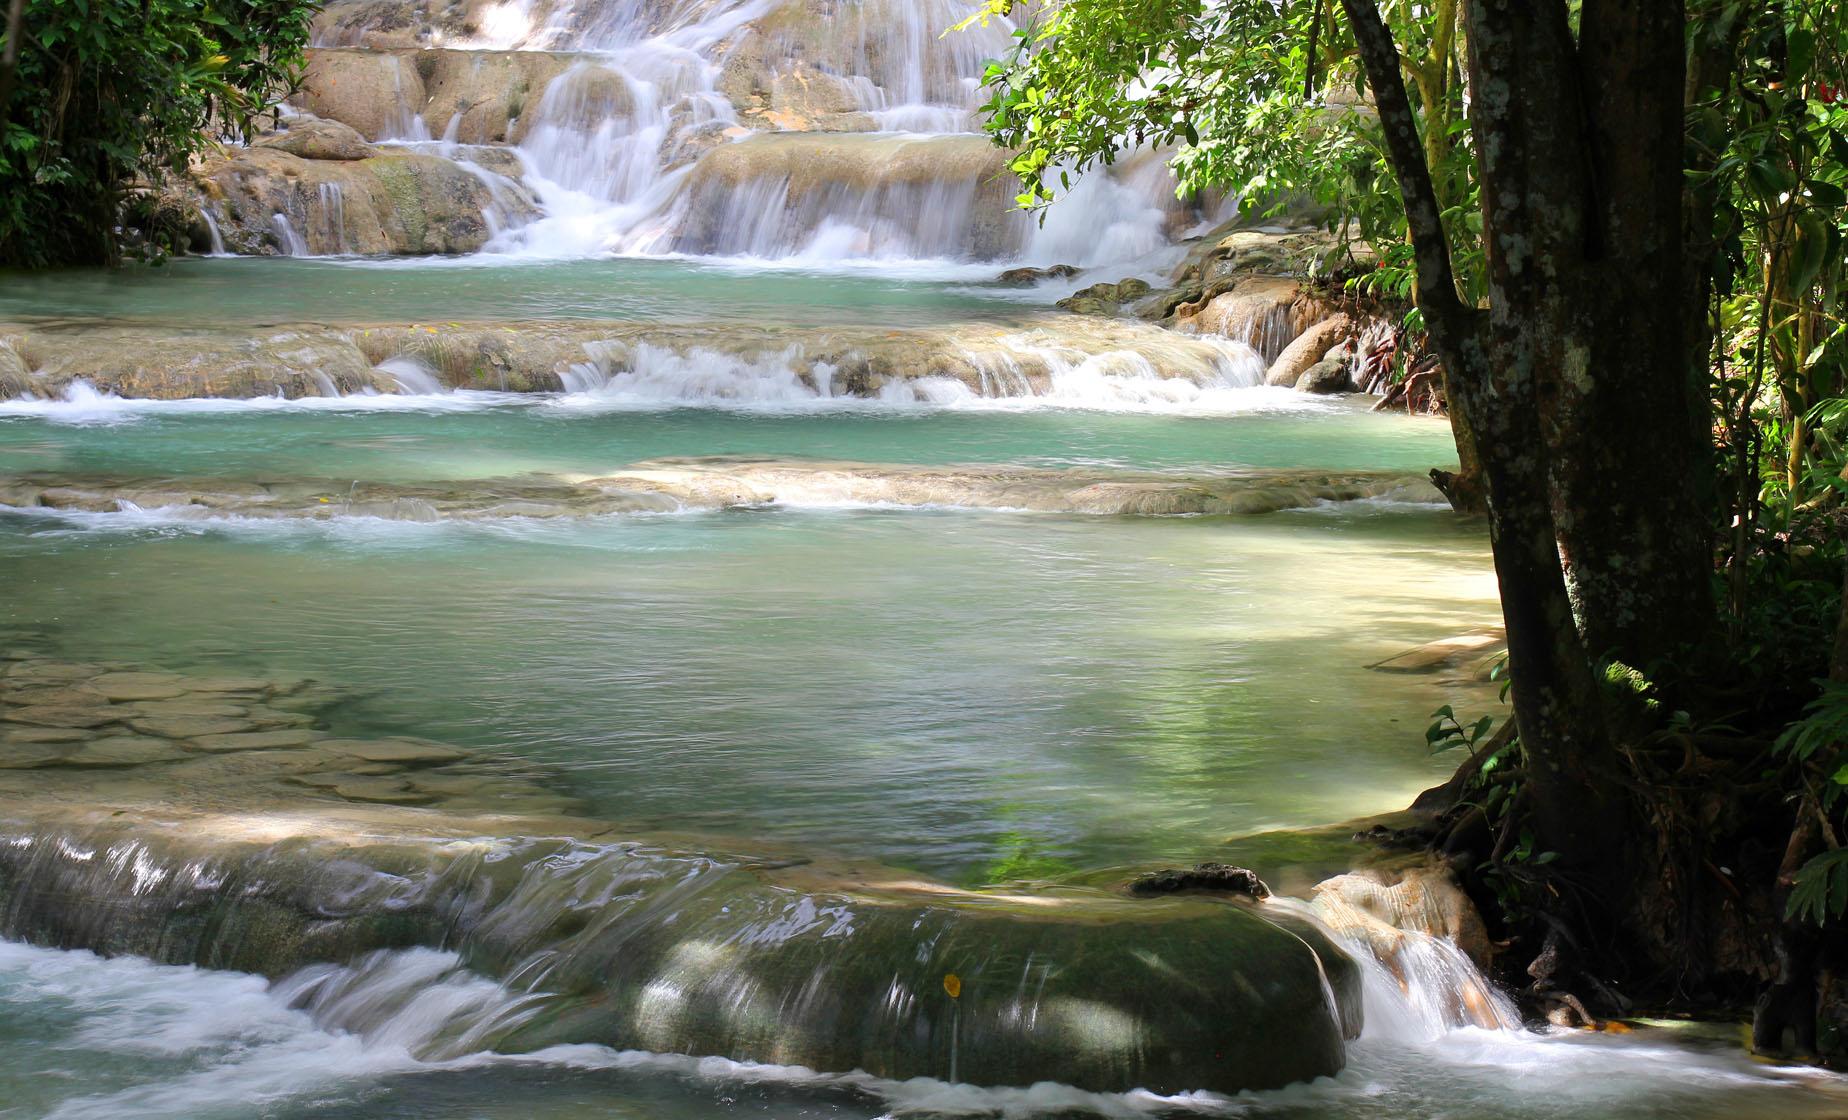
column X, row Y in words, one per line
column 621, row 150
column 110, row 1038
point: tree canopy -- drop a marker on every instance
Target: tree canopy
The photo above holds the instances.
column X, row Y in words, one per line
column 101, row 98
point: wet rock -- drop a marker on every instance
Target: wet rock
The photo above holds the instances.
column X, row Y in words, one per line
column 176, row 362
column 1024, row 277
column 49, row 672
column 188, row 706
column 1202, row 877
column 396, row 202
column 15, row 755
column 313, row 138
column 1308, row 348
column 137, row 686
column 228, row 684
column 45, row 715
column 1460, row 648
column 268, row 718
column 694, row 954
column 1325, row 377
column 1162, row 303
column 123, row 750
column 44, row 735
column 382, row 791
column 252, row 740
column 373, row 92
column 801, row 181
column 398, row 752
column 1105, row 299
column 190, row 727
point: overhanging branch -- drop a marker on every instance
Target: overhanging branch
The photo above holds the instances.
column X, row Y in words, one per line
column 1379, row 56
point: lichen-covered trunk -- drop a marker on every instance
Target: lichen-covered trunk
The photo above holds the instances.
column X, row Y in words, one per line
column 1632, row 460
column 1539, row 339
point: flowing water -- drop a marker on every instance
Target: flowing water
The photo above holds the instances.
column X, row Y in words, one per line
column 952, row 649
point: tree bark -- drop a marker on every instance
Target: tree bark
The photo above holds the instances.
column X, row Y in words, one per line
column 1632, row 463
column 1498, row 361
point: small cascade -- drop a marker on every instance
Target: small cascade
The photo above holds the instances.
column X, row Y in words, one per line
column 211, row 225
column 638, row 948
column 332, row 199
column 412, row 376
column 287, row 238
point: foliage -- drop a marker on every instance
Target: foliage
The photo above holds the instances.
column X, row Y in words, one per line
column 1254, row 98
column 111, row 95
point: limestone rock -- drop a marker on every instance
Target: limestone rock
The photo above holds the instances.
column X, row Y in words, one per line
column 137, row 686
column 312, row 138
column 805, row 179
column 1325, row 376
column 1105, row 299
column 401, row 752
column 1023, row 277
column 44, row 736
column 123, row 750
column 373, row 92
column 1266, row 312
column 1308, row 349
column 382, row 791
column 190, row 727
column 395, row 202
column 46, row 715
column 253, row 741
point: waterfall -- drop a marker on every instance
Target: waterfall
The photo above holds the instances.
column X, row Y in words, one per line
column 412, row 376
column 211, row 225
column 332, row 198
column 639, row 149
column 291, row 242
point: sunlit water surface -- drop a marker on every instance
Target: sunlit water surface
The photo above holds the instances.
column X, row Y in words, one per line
column 973, row 694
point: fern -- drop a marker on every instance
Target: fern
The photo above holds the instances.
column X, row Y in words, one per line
column 1820, row 891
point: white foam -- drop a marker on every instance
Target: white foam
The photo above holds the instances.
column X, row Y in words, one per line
column 199, row 1043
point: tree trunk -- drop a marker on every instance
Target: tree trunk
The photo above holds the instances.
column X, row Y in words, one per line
column 1498, row 362
column 1632, row 460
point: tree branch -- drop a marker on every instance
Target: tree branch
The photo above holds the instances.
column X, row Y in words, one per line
column 1379, row 55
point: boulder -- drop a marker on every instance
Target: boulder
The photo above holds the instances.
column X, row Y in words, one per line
column 1308, row 349
column 1265, row 312
column 1105, row 299
column 395, row 202
column 15, row 375
column 1202, row 877
column 1326, row 376
column 1023, row 277
column 313, row 138
column 498, row 97
column 376, row 93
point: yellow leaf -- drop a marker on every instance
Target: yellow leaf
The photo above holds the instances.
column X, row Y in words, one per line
column 952, row 984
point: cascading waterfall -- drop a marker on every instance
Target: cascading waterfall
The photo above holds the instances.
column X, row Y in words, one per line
column 630, row 150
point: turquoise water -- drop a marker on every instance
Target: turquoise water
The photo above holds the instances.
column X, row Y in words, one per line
column 941, row 690
column 480, row 436
column 258, row 291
